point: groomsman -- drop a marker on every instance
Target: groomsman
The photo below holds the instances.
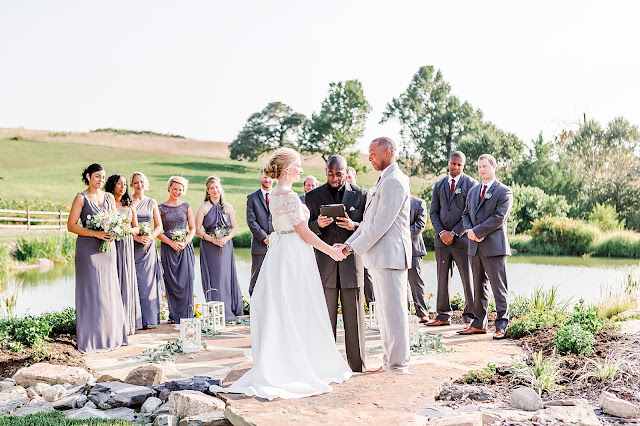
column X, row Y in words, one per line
column 259, row 221
column 310, row 183
column 417, row 223
column 343, row 279
column 485, row 219
column 383, row 240
column 451, row 243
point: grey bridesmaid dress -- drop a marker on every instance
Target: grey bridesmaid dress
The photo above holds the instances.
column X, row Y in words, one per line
column 148, row 270
column 177, row 265
column 219, row 278
column 128, row 281
column 100, row 320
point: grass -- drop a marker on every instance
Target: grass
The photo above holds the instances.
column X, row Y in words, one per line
column 616, row 299
column 5, row 258
column 541, row 375
column 55, row 247
column 55, row 418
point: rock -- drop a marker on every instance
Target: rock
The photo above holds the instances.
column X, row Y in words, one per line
column 213, row 418
column 146, row 375
column 197, row 383
column 164, row 395
column 44, row 263
column 40, row 387
column 7, row 384
column 15, row 390
column 433, row 411
column 478, row 393
column 122, row 413
column 524, row 398
column 191, row 403
column 117, row 394
column 163, row 409
column 579, row 414
column 52, row 374
column 86, row 413
column 150, row 405
column 36, row 407
column 69, row 402
column 451, row 392
column 13, row 398
column 107, row 378
column 31, row 393
column 89, row 404
column 459, row 419
column 53, row 393
column 81, row 401
column 166, row 420
column 615, row 406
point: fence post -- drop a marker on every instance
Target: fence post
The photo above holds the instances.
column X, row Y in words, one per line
column 60, row 218
column 28, row 218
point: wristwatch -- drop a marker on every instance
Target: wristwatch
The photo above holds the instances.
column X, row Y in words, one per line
column 348, row 248
column 453, row 234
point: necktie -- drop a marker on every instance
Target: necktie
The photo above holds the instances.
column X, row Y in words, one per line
column 267, row 197
column 453, row 185
column 484, row 189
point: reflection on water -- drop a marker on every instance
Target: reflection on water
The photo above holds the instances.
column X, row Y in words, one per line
column 576, row 277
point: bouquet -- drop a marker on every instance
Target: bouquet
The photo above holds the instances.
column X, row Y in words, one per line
column 116, row 225
column 179, row 235
column 145, row 231
column 221, row 232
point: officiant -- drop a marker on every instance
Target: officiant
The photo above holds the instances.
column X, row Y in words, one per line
column 343, row 280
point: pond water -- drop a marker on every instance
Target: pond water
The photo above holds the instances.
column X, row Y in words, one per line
column 575, row 277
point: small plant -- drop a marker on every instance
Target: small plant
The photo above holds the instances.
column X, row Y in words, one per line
column 9, row 300
column 429, row 343
column 534, row 320
column 167, row 353
column 482, row 376
column 542, row 375
column 606, row 370
column 16, row 347
column 573, row 338
column 587, row 317
column 492, row 305
column 457, row 302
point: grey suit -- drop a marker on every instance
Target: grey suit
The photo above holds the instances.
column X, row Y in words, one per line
column 343, row 279
column 488, row 220
column 417, row 223
column 259, row 222
column 446, row 216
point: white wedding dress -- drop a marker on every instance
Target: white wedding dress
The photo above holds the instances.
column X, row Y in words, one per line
column 294, row 352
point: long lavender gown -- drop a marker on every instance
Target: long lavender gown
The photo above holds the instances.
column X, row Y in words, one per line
column 100, row 323
column 148, row 270
column 219, row 278
column 177, row 265
column 128, row 281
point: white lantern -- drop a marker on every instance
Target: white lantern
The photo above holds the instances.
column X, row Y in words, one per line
column 213, row 316
column 373, row 320
column 190, row 334
column 414, row 332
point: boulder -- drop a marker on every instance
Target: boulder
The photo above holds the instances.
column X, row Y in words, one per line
column 33, row 408
column 581, row 413
column 611, row 404
column 81, row 400
column 191, row 403
column 150, row 405
column 197, row 383
column 213, row 418
column 459, row 419
column 31, row 393
column 7, row 384
column 86, row 413
column 166, row 420
column 451, row 392
column 53, row 393
column 524, row 398
column 70, row 402
column 89, row 404
column 164, row 395
column 146, row 375
column 40, row 387
column 122, row 413
column 52, row 374
column 12, row 399
column 117, row 394
column 107, row 378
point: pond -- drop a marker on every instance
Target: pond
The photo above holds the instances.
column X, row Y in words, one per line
column 575, row 277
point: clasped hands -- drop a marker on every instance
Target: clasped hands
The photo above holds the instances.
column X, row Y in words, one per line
column 473, row 237
column 338, row 252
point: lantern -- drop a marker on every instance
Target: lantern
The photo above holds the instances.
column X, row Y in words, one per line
column 414, row 333
column 190, row 334
column 213, row 316
column 373, row 320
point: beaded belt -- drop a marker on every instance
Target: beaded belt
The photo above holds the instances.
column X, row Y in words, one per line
column 288, row 231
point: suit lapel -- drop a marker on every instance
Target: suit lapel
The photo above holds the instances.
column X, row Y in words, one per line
column 455, row 188
column 346, row 197
column 485, row 194
column 264, row 202
column 325, row 195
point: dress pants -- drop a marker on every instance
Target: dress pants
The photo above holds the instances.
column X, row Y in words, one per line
column 390, row 287
column 445, row 256
column 495, row 269
column 368, row 287
column 256, row 264
column 352, row 302
column 417, row 286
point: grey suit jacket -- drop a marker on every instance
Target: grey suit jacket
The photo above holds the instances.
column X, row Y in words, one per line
column 350, row 270
column 446, row 209
column 259, row 221
column 383, row 238
column 417, row 221
column 488, row 219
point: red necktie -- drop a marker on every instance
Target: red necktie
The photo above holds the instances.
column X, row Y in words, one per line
column 484, row 189
column 266, row 194
column 453, row 185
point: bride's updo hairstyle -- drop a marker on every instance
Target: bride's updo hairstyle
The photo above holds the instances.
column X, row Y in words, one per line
column 279, row 162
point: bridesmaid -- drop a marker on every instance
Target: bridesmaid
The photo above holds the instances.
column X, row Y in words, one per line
column 117, row 185
column 217, row 260
column 148, row 268
column 178, row 258
column 100, row 324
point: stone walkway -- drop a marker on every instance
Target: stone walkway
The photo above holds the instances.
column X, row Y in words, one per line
column 383, row 398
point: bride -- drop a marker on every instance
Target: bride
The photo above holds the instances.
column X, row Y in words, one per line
column 294, row 352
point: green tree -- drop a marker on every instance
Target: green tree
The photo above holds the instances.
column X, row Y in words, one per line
column 606, row 217
column 341, row 121
column 531, row 203
column 277, row 125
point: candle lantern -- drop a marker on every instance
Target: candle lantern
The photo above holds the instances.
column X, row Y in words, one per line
column 414, row 332
column 373, row 319
column 213, row 316
column 190, row 334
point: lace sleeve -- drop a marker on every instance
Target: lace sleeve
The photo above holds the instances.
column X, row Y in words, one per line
column 292, row 208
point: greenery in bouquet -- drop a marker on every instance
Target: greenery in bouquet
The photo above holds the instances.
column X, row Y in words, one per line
column 116, row 225
column 221, row 232
column 145, row 231
column 179, row 235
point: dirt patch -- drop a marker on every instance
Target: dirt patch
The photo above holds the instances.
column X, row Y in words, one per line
column 63, row 352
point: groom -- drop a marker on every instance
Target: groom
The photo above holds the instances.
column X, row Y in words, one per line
column 383, row 240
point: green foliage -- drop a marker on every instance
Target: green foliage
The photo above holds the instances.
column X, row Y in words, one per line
column 478, row 377
column 166, row 353
column 618, row 244
column 531, row 203
column 5, row 258
column 61, row 322
column 562, row 236
column 54, row 247
column 35, row 204
column 534, row 320
column 541, row 374
column 457, row 302
column 29, row 329
column 246, row 307
column 573, row 338
column 341, row 121
column 276, row 126
column 587, row 317
column 137, row 132
column 34, row 331
column 429, row 343
column 605, row 217
column 242, row 239
column 601, row 371
column 57, row 418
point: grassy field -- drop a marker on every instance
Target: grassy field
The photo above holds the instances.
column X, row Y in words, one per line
column 50, row 170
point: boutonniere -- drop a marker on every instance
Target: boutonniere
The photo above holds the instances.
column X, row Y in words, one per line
column 457, row 191
column 372, row 190
column 488, row 195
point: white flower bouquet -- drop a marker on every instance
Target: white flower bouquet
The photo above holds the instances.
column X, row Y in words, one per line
column 145, row 231
column 179, row 235
column 116, row 225
column 221, row 232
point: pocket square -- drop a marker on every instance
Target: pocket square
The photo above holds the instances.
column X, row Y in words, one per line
column 352, row 209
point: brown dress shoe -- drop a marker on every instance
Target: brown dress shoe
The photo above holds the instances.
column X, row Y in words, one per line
column 500, row 334
column 472, row 330
column 377, row 370
column 437, row 323
column 467, row 325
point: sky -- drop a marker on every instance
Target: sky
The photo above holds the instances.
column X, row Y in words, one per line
column 201, row 68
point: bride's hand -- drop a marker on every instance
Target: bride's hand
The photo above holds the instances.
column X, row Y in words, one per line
column 336, row 254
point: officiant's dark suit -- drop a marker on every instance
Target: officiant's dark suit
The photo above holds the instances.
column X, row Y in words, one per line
column 343, row 279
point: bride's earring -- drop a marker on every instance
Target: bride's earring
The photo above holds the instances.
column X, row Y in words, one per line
column 287, row 174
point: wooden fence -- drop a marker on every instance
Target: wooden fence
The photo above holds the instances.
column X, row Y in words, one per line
column 30, row 219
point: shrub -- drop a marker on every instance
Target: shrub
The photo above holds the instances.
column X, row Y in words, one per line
column 242, row 239
column 457, row 302
column 562, row 236
column 62, row 322
column 618, row 244
column 573, row 338
column 534, row 320
column 587, row 317
column 56, row 418
column 531, row 203
column 58, row 248
column 520, row 243
column 605, row 217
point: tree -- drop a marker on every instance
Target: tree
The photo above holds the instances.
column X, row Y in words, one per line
column 273, row 127
column 341, row 121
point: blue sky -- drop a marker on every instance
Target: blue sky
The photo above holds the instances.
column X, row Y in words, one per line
column 200, row 68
